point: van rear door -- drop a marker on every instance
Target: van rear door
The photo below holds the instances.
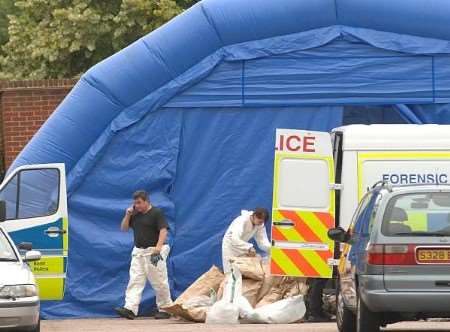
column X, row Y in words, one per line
column 36, row 211
column 303, row 204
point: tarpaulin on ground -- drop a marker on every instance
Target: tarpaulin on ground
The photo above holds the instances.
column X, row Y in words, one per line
column 188, row 112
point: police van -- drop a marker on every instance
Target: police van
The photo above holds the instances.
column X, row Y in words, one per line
column 319, row 179
column 33, row 208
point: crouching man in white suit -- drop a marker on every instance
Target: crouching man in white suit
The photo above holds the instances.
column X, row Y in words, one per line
column 250, row 224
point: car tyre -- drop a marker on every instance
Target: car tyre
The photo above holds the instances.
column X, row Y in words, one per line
column 345, row 318
column 366, row 320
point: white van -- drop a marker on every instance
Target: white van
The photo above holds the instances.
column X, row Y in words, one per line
column 319, row 179
column 33, row 208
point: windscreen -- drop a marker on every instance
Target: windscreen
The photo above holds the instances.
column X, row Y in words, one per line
column 418, row 214
column 6, row 251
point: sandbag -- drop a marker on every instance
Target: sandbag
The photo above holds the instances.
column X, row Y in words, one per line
column 197, row 314
column 195, row 301
column 250, row 290
column 282, row 288
column 271, row 297
column 267, row 282
column 273, row 294
column 211, row 280
column 200, row 301
column 286, row 311
column 294, row 287
column 226, row 310
column 250, row 267
column 193, row 309
column 221, row 288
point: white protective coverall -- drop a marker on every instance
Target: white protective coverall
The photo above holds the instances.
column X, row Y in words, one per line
column 235, row 242
column 142, row 269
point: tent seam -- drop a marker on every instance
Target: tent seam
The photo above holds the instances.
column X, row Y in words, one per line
column 160, row 60
column 211, row 23
column 336, row 13
column 110, row 97
column 243, row 84
column 178, row 157
column 433, row 79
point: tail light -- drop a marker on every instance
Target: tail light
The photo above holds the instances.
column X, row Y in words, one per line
column 391, row 254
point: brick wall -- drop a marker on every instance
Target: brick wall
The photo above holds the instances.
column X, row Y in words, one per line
column 24, row 107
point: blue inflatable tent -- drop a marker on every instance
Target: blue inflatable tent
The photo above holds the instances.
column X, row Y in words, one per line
column 189, row 113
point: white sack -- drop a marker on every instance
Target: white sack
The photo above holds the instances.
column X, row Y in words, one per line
column 286, row 311
column 226, row 311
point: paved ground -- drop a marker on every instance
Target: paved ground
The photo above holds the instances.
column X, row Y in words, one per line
column 140, row 325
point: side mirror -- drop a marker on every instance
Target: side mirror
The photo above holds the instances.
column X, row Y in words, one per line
column 32, row 256
column 2, row 211
column 28, row 246
column 338, row 234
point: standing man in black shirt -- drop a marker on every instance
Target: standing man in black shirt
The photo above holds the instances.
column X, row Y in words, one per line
column 149, row 256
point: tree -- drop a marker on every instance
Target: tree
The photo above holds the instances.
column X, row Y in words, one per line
column 6, row 8
column 63, row 38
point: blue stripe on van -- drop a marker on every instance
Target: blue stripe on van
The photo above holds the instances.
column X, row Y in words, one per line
column 36, row 235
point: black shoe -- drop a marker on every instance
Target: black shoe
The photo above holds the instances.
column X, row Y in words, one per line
column 125, row 313
column 148, row 313
column 162, row 315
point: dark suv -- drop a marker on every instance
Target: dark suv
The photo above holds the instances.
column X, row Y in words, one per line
column 395, row 258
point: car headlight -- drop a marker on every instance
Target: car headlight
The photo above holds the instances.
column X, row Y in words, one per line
column 17, row 291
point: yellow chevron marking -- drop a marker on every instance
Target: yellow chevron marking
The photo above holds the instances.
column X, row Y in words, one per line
column 317, row 262
column 284, row 262
column 315, row 224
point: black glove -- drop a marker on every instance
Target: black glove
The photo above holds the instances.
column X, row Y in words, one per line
column 155, row 258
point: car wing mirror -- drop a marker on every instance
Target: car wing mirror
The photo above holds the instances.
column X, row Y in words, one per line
column 338, row 234
column 28, row 246
column 32, row 256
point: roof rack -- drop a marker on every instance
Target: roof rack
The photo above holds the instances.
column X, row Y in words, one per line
column 382, row 184
column 389, row 186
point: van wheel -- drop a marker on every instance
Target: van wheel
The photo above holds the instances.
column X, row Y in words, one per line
column 366, row 320
column 345, row 318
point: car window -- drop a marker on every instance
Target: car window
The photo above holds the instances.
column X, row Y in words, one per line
column 368, row 215
column 376, row 203
column 6, row 250
column 418, row 214
column 39, row 193
column 31, row 193
column 9, row 196
column 361, row 219
column 351, row 228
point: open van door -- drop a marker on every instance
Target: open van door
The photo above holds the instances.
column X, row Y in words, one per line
column 36, row 211
column 303, row 204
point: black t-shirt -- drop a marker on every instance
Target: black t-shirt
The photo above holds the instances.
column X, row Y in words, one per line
column 146, row 227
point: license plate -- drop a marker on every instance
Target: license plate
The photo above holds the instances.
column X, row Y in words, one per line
column 433, row 256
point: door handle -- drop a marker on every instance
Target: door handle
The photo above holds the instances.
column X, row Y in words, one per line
column 284, row 223
column 55, row 231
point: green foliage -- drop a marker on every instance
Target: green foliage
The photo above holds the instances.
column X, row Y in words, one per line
column 6, row 8
column 63, row 38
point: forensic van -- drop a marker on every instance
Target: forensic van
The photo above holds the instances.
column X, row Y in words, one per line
column 319, row 179
column 33, row 209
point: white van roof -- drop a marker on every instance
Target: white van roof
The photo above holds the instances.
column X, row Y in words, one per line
column 406, row 137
